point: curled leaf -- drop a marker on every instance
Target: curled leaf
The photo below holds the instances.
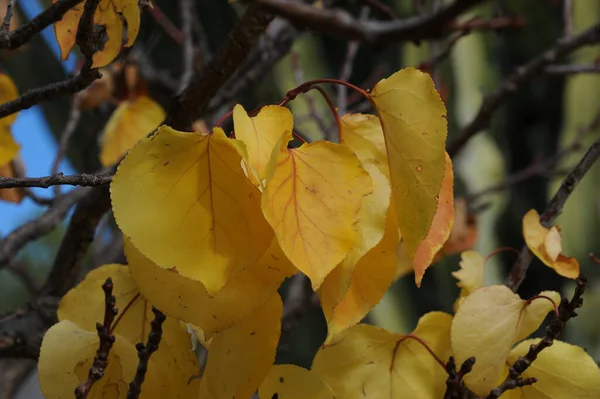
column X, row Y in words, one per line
column 312, row 201
column 487, row 324
column 470, row 276
column 185, row 203
column 546, row 244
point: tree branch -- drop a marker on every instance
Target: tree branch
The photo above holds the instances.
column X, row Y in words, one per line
column 517, row 78
column 553, row 210
column 82, row 179
column 341, row 23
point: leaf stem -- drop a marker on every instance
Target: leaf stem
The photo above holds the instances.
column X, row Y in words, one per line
column 544, row 297
column 125, row 309
column 431, row 352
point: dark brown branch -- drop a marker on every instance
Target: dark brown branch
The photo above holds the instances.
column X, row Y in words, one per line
column 455, row 388
column 566, row 311
column 85, row 40
column 7, row 19
column 144, row 353
column 517, row 78
column 553, row 210
column 84, row 179
column 50, row 15
column 194, row 100
column 77, row 239
column 65, row 137
column 107, row 339
column 341, row 23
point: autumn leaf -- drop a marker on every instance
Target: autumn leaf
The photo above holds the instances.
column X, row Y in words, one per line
column 173, row 293
column 262, row 133
column 470, row 276
column 412, row 115
column 8, row 147
column 312, row 201
column 350, row 291
column 364, row 135
column 130, row 122
column 368, row 362
column 114, row 16
column 437, row 235
column 463, row 234
column 241, row 356
column 287, row 381
column 185, row 203
column 562, row 371
column 488, row 323
column 84, row 305
column 546, row 244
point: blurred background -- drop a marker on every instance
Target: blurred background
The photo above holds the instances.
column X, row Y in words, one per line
column 534, row 139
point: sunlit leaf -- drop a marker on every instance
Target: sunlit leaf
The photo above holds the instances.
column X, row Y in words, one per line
column 241, row 356
column 185, row 203
column 130, row 122
column 562, row 371
column 312, row 201
column 262, row 133
column 287, row 381
column 487, row 324
column 546, row 244
column 364, row 134
column 368, row 362
column 186, row 299
column 84, row 306
column 111, row 15
column 414, row 125
column 67, row 353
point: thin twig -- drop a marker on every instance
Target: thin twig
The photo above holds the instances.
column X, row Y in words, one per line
column 186, row 12
column 517, row 78
column 553, row 210
column 566, row 311
column 496, row 23
column 164, row 22
column 83, row 179
column 381, row 7
column 455, row 388
column 106, row 342
column 339, row 22
column 572, row 69
column 65, row 137
column 568, row 17
column 144, row 353
column 7, row 19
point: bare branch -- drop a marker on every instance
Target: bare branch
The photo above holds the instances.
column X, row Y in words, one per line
column 553, row 210
column 7, row 19
column 572, row 69
column 65, row 137
column 517, row 78
column 186, row 12
column 341, row 23
column 83, row 179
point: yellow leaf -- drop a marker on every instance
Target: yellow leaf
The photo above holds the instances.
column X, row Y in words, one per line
column 350, row 291
column 562, row 371
column 368, row 362
column 440, row 227
column 470, row 275
column 130, row 122
column 262, row 133
column 312, row 202
column 113, row 16
column 185, row 203
column 463, row 234
column 487, row 324
column 546, row 244
column 241, row 356
column 8, row 92
column 14, row 195
column 187, row 299
column 67, row 353
column 287, row 381
column 413, row 118
column 363, row 133
column 84, row 306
